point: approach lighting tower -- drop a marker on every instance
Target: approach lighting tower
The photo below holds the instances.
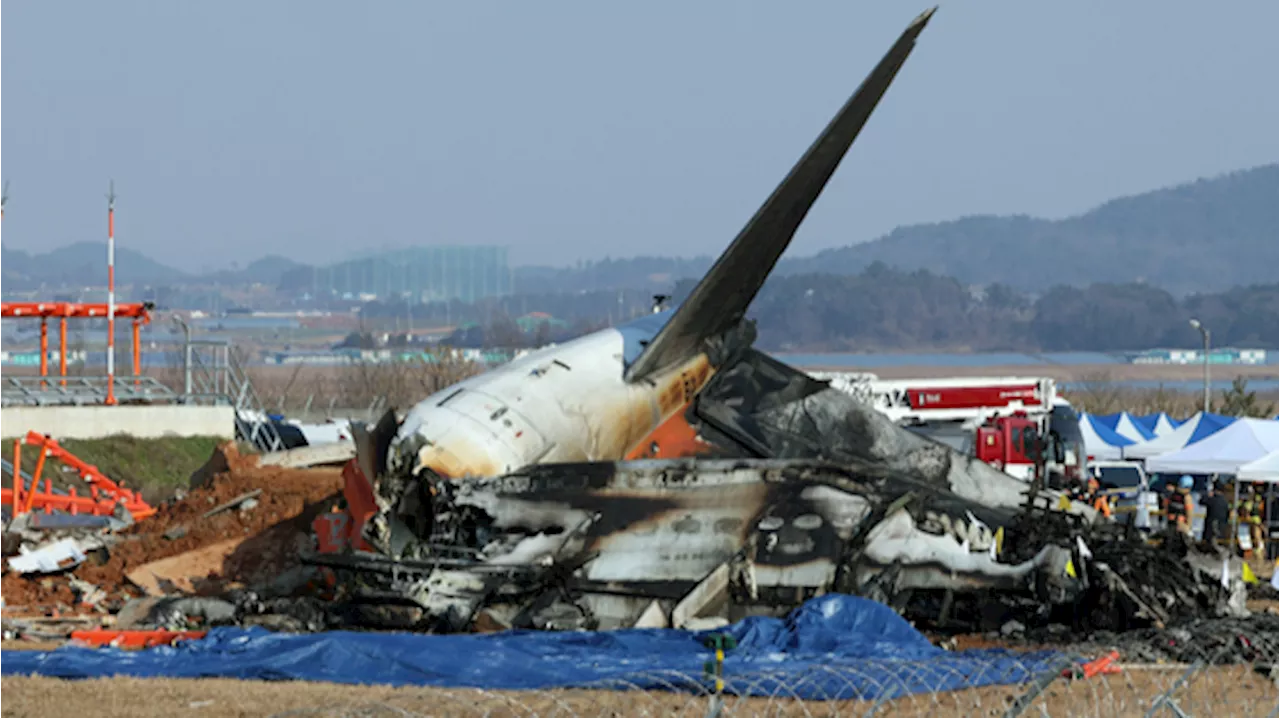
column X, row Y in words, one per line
column 111, row 293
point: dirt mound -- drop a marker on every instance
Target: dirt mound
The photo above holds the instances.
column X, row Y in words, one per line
column 273, row 531
column 226, row 458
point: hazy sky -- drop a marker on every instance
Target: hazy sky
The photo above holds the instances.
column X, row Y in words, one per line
column 570, row 130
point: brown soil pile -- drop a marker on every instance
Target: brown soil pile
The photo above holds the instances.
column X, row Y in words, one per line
column 273, row 531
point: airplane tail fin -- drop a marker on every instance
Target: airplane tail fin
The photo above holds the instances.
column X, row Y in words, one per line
column 720, row 300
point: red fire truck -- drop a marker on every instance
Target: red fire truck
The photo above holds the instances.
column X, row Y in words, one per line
column 999, row 420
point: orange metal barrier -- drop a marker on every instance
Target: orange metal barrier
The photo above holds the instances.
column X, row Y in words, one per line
column 134, row 639
column 104, row 494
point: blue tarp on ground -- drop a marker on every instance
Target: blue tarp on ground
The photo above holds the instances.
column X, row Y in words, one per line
column 833, row 647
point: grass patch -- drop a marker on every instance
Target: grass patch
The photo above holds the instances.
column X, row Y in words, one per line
column 156, row 467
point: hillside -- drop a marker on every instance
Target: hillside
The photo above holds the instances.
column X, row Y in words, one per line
column 1206, row 235
column 1202, row 236
column 83, row 263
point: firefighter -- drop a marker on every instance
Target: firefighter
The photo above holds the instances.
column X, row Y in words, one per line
column 1178, row 511
column 1249, row 513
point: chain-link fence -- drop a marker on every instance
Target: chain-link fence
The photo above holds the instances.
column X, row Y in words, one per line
column 1116, row 689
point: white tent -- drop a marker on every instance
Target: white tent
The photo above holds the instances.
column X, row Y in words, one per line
column 1245, row 440
column 1191, row 430
column 1264, row 470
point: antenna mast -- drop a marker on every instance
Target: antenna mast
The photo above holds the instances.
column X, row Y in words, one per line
column 111, row 293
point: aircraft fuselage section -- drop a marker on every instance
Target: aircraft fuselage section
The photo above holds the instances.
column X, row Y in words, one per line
column 566, row 403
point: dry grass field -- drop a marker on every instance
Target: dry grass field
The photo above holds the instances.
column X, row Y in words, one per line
column 1220, row 692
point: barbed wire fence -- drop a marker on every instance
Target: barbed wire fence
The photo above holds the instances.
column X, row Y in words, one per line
column 874, row 688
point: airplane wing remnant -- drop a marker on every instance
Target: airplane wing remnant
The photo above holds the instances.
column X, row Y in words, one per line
column 720, row 300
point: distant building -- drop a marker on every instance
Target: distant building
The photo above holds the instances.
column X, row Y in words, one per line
column 425, row 274
column 529, row 323
column 1225, row 355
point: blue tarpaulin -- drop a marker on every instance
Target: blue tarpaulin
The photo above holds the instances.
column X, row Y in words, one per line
column 833, row 647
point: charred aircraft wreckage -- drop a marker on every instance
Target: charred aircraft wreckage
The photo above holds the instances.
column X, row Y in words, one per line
column 664, row 473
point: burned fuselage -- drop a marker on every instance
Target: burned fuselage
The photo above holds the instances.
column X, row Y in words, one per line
column 599, row 545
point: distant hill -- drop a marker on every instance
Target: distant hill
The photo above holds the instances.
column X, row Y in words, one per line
column 85, row 263
column 1207, row 235
column 82, row 264
column 267, row 270
column 1204, row 236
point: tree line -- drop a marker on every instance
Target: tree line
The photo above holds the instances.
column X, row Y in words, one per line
column 885, row 309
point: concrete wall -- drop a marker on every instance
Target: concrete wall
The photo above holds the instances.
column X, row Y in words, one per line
column 95, row 422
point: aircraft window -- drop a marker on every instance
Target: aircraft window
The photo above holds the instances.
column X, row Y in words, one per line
column 452, row 396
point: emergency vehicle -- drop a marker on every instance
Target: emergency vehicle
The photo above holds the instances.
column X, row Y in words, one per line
column 999, row 420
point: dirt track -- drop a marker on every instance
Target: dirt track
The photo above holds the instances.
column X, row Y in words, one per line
column 1220, row 692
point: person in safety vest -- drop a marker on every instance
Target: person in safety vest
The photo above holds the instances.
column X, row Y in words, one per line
column 1098, row 500
column 1178, row 512
column 1249, row 513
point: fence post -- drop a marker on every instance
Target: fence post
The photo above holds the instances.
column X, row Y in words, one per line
column 1038, row 685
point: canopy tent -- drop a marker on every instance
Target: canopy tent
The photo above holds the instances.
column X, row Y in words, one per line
column 1264, row 470
column 1192, row 430
column 1128, row 426
column 1245, row 440
column 1158, row 424
column 1100, row 442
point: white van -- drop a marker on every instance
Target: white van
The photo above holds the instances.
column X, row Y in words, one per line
column 1127, row 481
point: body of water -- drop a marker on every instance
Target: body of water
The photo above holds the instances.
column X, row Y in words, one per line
column 869, row 361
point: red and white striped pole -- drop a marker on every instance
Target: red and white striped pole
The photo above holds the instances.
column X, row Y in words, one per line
column 111, row 294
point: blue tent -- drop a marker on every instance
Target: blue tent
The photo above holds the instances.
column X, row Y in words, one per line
column 1158, row 423
column 1128, row 426
column 1192, row 430
column 1100, row 440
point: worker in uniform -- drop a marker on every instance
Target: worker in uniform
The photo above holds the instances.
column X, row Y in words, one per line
column 1216, row 513
column 1269, row 513
column 1249, row 513
column 1098, row 500
column 1170, row 488
column 1177, row 514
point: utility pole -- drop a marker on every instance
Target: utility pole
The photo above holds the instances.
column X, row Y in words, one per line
column 111, row 293
column 1204, row 334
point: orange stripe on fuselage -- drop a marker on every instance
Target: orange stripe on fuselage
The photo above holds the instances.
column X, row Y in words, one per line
column 673, row 439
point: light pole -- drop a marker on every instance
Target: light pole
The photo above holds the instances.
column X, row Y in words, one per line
column 1204, row 334
column 186, row 358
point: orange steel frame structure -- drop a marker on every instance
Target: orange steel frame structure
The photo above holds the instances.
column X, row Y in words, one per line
column 104, row 494
column 140, row 314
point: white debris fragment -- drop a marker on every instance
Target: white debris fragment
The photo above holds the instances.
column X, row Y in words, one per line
column 48, row 558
